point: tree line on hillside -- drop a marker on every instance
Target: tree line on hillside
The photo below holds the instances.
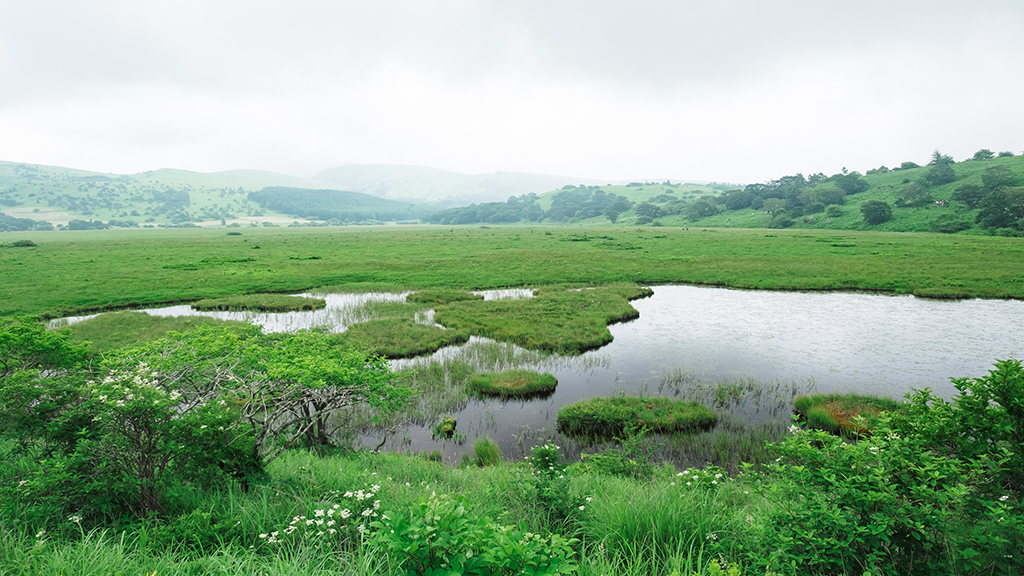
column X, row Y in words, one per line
column 337, row 205
column 571, row 203
column 999, row 200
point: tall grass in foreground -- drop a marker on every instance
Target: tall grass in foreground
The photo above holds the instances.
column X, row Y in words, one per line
column 647, row 526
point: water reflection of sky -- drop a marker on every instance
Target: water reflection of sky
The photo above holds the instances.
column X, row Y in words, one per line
column 864, row 343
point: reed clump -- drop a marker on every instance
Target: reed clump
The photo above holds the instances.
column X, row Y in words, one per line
column 400, row 337
column 603, row 417
column 557, row 319
column 439, row 297
column 513, row 384
column 850, row 415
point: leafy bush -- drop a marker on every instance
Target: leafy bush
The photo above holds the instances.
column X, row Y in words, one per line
column 949, row 224
column 441, row 536
column 513, row 384
column 833, row 211
column 935, row 490
column 876, row 212
column 612, row 416
column 445, row 428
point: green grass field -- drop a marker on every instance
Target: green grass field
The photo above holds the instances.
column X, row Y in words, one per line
column 71, row 272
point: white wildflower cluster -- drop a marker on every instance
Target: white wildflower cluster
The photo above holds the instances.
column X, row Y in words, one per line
column 132, row 389
column 709, row 477
column 342, row 515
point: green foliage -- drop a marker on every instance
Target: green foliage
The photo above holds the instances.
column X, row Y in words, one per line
column 441, row 536
column 399, row 337
column 939, row 174
column 261, row 303
column 995, row 177
column 949, row 224
column 486, row 452
column 983, row 154
column 969, row 194
column 882, row 505
column 513, row 384
column 1002, row 208
column 613, row 416
column 913, row 194
column 833, row 211
column 27, row 345
column 552, row 484
column 441, row 297
column 632, row 459
column 984, row 423
column 876, row 212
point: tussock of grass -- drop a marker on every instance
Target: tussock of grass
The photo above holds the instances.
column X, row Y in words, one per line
column 435, row 297
column 557, row 319
column 122, row 329
column 600, row 417
column 843, row 414
column 400, row 337
column 261, row 303
column 513, row 384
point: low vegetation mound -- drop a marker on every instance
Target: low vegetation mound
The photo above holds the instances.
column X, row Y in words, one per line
column 604, row 417
column 261, row 303
column 513, row 384
column 441, row 296
column 851, row 415
column 560, row 320
column 400, row 337
column 115, row 330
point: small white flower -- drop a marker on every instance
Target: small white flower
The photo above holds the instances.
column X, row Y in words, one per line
column 1003, row 498
column 582, row 507
column 589, row 499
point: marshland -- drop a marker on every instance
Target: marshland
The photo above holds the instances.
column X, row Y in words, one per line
column 255, row 477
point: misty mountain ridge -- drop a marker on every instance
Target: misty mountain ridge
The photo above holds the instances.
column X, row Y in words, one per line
column 444, row 187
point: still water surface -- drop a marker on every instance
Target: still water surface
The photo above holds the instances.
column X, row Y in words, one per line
column 690, row 336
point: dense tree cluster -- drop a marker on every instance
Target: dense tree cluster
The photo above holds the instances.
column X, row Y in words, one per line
column 571, row 203
column 334, row 205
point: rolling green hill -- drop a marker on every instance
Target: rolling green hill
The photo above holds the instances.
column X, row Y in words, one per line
column 60, row 195
column 972, row 196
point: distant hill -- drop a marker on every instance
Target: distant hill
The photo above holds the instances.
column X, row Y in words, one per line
column 60, row 195
column 336, row 206
column 445, row 188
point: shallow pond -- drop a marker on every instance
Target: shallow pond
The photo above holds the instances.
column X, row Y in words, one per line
column 689, row 339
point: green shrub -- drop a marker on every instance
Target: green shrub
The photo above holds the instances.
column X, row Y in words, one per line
column 611, row 416
column 513, row 383
column 486, row 452
column 439, row 297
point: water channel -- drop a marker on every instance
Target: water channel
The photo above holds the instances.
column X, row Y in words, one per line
column 689, row 339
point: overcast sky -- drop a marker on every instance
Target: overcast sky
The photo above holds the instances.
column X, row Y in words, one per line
column 735, row 91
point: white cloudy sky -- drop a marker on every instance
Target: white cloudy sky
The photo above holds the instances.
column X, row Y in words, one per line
column 727, row 90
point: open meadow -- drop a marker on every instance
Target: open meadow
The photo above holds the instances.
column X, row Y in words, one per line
column 71, row 272
column 222, row 450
